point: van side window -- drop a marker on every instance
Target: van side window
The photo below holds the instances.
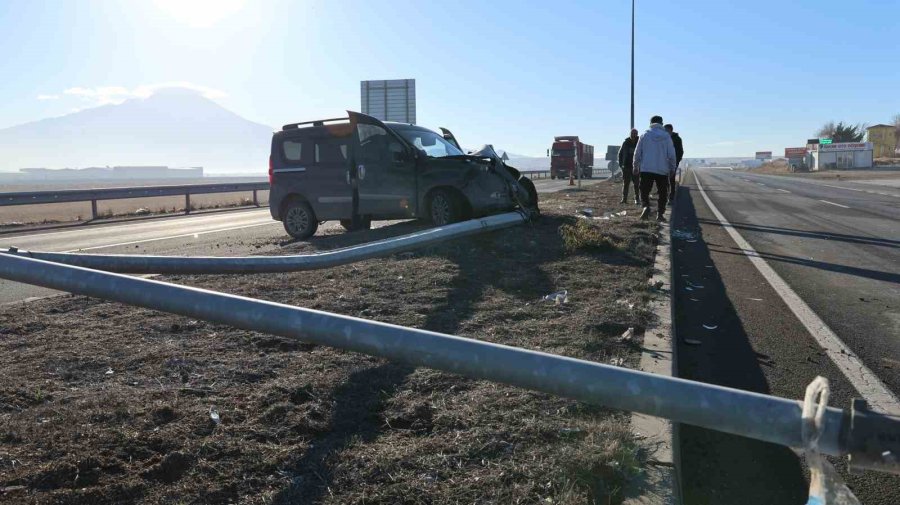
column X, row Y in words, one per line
column 293, row 150
column 373, row 143
column 330, row 151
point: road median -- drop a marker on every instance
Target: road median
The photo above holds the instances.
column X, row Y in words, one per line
column 140, row 403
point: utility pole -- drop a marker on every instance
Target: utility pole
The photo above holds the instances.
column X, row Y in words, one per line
column 632, row 64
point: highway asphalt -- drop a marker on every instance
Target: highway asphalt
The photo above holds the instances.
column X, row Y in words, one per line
column 837, row 246
column 222, row 233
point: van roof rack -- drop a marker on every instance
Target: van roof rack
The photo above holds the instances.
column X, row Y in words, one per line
column 318, row 122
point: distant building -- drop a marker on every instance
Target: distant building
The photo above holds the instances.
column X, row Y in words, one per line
column 841, row 155
column 883, row 138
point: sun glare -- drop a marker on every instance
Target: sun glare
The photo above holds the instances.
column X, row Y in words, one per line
column 199, row 13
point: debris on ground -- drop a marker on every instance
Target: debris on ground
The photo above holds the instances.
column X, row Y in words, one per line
column 557, row 297
column 684, row 234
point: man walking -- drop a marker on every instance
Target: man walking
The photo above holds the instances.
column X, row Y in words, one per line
column 654, row 160
column 679, row 153
column 626, row 162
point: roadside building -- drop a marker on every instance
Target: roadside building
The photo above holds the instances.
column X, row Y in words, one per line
column 883, row 138
column 842, row 155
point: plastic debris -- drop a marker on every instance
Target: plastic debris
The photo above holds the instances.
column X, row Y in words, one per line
column 756, row 299
column 691, row 341
column 557, row 297
column 628, row 335
column 617, row 361
column 214, row 415
column 623, row 301
column 684, row 234
column 693, row 299
column 710, row 326
column 587, row 212
column 688, row 288
column 109, row 371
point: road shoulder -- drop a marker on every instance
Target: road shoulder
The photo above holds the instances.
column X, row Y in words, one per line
column 660, row 483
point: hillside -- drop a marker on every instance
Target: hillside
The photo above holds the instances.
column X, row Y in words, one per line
column 172, row 127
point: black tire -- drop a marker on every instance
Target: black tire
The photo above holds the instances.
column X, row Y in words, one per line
column 444, row 208
column 365, row 223
column 532, row 193
column 299, row 220
column 552, row 177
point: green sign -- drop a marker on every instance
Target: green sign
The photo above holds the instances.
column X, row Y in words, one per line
column 824, row 141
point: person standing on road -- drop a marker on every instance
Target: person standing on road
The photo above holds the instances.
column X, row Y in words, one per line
column 679, row 153
column 626, row 163
column 654, row 160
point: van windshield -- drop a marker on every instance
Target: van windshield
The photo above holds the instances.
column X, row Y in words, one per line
column 434, row 145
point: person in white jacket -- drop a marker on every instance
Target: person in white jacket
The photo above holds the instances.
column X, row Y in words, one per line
column 654, row 160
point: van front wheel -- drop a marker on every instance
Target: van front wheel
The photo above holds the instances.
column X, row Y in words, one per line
column 300, row 220
column 444, row 208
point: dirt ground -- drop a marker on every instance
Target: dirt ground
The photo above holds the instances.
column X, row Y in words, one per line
column 19, row 215
column 104, row 403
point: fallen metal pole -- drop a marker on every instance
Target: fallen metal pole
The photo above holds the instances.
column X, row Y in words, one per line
column 753, row 415
column 137, row 264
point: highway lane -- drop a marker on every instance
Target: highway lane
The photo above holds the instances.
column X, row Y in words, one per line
column 838, row 249
column 92, row 236
column 228, row 233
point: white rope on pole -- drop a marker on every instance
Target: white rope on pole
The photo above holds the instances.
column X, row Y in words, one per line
column 825, row 485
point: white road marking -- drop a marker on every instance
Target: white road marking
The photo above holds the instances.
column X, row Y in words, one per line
column 861, row 377
column 169, row 237
column 835, row 204
column 782, row 190
column 842, row 187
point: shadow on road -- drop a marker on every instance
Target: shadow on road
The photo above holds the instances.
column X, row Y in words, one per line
column 823, row 235
column 717, row 467
column 877, row 275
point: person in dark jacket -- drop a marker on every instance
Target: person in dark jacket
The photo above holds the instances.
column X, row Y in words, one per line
column 679, row 153
column 626, row 163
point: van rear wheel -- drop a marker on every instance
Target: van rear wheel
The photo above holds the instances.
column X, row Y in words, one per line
column 299, row 220
column 444, row 208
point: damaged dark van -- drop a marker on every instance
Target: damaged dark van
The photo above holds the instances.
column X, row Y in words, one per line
column 359, row 169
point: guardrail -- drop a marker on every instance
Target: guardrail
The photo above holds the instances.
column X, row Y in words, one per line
column 872, row 439
column 95, row 195
column 542, row 174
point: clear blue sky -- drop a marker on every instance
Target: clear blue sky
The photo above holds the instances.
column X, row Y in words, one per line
column 734, row 77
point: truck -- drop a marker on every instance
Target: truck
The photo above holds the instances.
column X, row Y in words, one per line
column 570, row 155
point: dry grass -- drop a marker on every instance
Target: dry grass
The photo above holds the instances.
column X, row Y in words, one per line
column 103, row 403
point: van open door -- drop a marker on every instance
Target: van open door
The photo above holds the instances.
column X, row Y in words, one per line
column 386, row 169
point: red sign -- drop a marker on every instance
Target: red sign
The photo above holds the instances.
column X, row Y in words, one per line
column 794, row 152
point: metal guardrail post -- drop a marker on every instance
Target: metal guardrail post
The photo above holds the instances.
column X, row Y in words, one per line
column 94, row 208
column 259, row 264
column 187, row 202
column 754, row 415
column 255, row 199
